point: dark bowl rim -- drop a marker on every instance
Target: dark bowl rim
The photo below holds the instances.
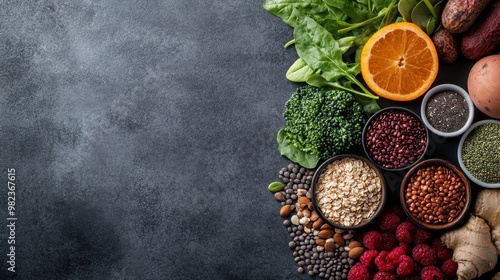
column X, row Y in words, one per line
column 318, row 209
column 468, row 190
column 365, row 128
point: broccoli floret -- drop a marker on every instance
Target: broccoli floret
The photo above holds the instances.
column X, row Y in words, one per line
column 323, row 122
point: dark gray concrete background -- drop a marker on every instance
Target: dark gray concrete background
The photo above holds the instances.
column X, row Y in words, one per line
column 143, row 138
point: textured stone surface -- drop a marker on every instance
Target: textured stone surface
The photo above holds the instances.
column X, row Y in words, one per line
column 143, row 138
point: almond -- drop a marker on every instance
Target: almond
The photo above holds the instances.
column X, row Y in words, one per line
column 303, row 200
column 326, row 226
column 337, row 237
column 354, row 244
column 317, row 224
column 320, row 242
column 329, row 246
column 326, row 233
column 355, row 252
column 285, row 210
column 314, row 216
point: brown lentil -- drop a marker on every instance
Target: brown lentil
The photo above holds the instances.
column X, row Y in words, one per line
column 435, row 195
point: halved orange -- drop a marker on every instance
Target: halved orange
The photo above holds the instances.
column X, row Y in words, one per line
column 399, row 62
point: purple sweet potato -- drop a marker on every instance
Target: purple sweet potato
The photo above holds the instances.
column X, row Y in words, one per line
column 483, row 38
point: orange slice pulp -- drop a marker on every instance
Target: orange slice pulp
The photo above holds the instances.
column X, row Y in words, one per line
column 399, row 62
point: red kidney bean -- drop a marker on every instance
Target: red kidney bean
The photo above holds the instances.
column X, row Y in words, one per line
column 395, row 139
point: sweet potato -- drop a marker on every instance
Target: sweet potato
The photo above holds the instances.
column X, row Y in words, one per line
column 446, row 44
column 483, row 37
column 459, row 15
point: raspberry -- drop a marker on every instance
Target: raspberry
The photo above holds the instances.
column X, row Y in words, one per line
column 442, row 252
column 383, row 263
column 406, row 266
column 358, row 272
column 368, row 258
column 389, row 241
column 405, row 232
column 449, row 268
column 372, row 240
column 424, row 254
column 423, row 236
column 395, row 254
column 389, row 221
column 431, row 273
column 384, row 275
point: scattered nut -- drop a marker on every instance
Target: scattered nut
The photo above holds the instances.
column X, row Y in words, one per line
column 317, row 224
column 285, row 210
column 295, row 220
column 337, row 237
column 303, row 200
column 355, row 252
column 304, row 220
column 314, row 216
column 354, row 244
column 320, row 242
column 325, row 233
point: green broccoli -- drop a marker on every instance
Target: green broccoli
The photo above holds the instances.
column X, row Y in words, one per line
column 323, row 122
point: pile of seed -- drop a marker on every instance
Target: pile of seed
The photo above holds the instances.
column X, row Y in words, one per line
column 435, row 195
column 395, row 139
column 318, row 249
column 481, row 153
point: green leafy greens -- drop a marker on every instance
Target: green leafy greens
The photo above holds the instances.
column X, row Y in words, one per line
column 328, row 37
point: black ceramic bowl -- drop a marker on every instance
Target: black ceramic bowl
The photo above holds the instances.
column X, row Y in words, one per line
column 434, row 188
column 395, row 138
column 338, row 185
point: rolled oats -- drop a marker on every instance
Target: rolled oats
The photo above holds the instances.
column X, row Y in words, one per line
column 348, row 191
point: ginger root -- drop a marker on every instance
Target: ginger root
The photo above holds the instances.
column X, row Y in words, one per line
column 472, row 248
column 488, row 207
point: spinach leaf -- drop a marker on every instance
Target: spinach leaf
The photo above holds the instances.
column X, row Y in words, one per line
column 317, row 47
column 299, row 71
column 290, row 152
column 356, row 11
column 284, row 8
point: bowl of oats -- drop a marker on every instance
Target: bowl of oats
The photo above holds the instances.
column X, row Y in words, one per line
column 348, row 191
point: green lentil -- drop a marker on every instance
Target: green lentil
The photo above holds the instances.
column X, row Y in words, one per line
column 481, row 153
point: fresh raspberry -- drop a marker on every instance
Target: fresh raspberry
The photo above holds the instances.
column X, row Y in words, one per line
column 431, row 273
column 406, row 266
column 398, row 211
column 411, row 277
column 384, row 275
column 423, row 236
column 395, row 254
column 442, row 252
column 372, row 240
column 424, row 254
column 389, row 241
column 358, row 272
column 383, row 263
column 405, row 232
column 389, row 221
column 449, row 268
column 368, row 258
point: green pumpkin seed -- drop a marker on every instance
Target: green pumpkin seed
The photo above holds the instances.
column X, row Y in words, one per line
column 275, row 186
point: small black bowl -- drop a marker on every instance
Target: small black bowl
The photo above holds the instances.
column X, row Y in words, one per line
column 466, row 199
column 395, row 132
column 315, row 196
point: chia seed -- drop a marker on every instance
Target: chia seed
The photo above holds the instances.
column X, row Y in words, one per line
column 447, row 111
